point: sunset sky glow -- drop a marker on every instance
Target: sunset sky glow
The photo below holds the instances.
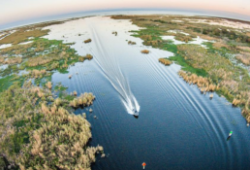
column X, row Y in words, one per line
column 15, row 11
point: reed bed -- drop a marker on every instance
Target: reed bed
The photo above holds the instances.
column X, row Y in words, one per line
column 21, row 35
column 236, row 102
column 11, row 60
column 165, row 61
column 146, row 37
column 37, row 73
column 131, row 42
column 153, row 42
column 85, row 99
column 49, row 85
column 204, row 84
column 145, row 51
column 89, row 56
column 244, row 57
column 87, row 41
column 115, row 33
column 184, row 38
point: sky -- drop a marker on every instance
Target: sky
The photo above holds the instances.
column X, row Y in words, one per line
column 18, row 12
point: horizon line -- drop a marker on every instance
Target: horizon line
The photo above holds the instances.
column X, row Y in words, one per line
column 89, row 13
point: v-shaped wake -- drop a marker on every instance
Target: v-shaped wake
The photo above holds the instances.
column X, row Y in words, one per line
column 113, row 73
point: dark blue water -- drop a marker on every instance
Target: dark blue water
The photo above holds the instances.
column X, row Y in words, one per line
column 177, row 128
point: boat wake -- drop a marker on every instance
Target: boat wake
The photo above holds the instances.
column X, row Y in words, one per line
column 112, row 71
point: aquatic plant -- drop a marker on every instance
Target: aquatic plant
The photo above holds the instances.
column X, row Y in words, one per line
column 89, row 56
column 115, row 33
column 244, row 57
column 236, row 102
column 81, row 59
column 87, row 41
column 211, row 96
column 49, row 85
column 145, row 51
column 37, row 73
column 204, row 84
column 146, row 37
column 183, row 37
column 153, row 42
column 131, row 42
column 165, row 61
column 10, row 60
column 85, row 99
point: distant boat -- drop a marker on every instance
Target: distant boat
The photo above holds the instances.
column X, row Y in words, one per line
column 231, row 133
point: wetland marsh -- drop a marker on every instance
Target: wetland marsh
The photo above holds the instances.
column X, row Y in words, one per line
column 120, row 61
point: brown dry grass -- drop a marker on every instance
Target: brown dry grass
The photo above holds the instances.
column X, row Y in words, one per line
column 146, row 37
column 39, row 60
column 89, row 56
column 37, row 73
column 232, row 85
column 153, row 42
column 85, row 99
column 49, row 85
column 131, row 42
column 145, row 51
column 11, row 60
column 115, row 33
column 236, row 102
column 165, row 61
column 219, row 44
column 22, row 35
column 87, row 41
column 203, row 83
column 244, row 48
column 244, row 57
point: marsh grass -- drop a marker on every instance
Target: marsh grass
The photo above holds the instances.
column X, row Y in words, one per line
column 37, row 134
column 244, row 57
column 165, row 61
column 145, row 51
column 115, row 33
column 131, row 42
column 83, row 100
column 87, row 41
column 184, row 38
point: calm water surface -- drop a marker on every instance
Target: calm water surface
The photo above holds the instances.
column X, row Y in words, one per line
column 177, row 128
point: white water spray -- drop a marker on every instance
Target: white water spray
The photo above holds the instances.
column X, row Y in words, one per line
column 113, row 73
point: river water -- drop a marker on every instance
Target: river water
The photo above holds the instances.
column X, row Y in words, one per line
column 177, row 128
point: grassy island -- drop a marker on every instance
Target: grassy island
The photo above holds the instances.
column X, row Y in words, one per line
column 220, row 66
